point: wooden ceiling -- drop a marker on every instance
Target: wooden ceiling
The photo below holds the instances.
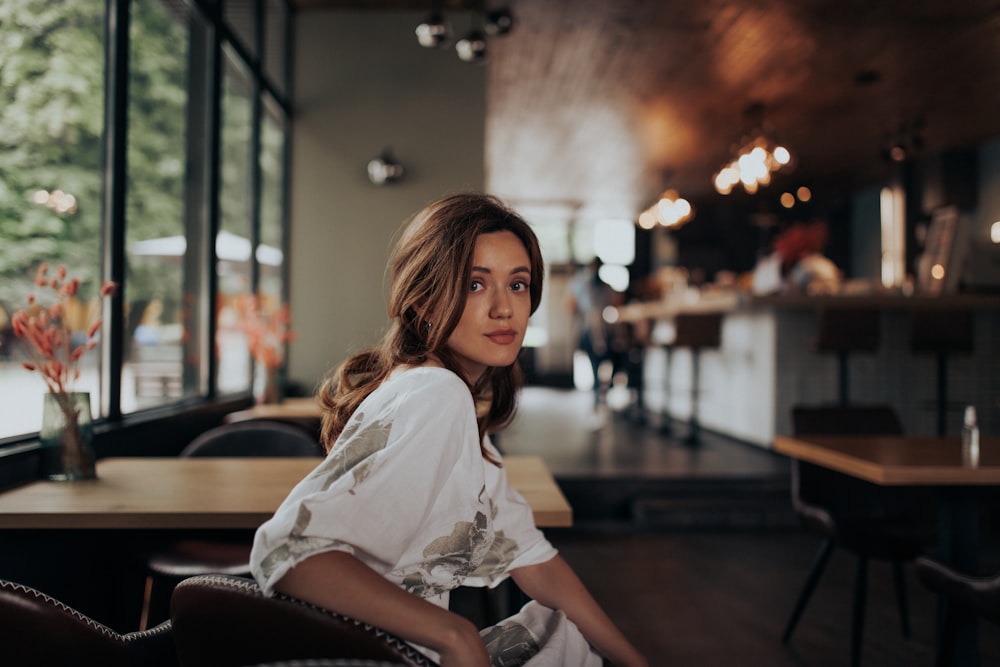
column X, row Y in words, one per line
column 597, row 106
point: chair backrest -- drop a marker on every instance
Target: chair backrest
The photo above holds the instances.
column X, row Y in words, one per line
column 978, row 593
column 254, row 438
column 226, row 621
column 40, row 631
column 848, row 420
column 697, row 330
column 848, row 330
column 940, row 331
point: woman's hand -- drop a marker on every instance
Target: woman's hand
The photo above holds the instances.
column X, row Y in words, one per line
column 555, row 585
column 463, row 646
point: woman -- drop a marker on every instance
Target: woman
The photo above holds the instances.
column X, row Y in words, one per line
column 412, row 499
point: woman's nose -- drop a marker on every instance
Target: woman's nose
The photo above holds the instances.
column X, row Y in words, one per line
column 501, row 304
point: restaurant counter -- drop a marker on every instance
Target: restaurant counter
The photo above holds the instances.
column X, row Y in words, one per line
column 767, row 361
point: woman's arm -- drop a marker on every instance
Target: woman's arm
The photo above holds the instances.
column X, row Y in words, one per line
column 338, row 581
column 555, row 585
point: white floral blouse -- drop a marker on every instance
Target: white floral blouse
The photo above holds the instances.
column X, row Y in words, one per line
column 406, row 490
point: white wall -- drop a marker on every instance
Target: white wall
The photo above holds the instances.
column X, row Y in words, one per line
column 363, row 83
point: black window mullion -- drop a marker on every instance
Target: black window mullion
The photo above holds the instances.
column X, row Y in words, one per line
column 115, row 180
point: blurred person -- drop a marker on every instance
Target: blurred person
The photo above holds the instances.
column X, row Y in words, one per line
column 587, row 299
column 412, row 499
column 797, row 263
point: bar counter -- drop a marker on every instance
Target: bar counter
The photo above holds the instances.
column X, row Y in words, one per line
column 767, row 361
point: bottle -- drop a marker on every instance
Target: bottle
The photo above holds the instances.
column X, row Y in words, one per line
column 970, row 438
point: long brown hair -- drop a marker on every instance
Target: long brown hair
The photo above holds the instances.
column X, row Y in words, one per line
column 430, row 270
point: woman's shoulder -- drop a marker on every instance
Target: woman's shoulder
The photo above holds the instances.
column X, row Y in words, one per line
column 421, row 388
column 427, row 377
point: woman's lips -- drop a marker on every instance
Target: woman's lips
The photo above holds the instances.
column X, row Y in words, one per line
column 502, row 337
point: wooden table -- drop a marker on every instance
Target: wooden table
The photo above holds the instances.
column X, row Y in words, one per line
column 897, row 460
column 301, row 411
column 210, row 493
column 925, row 462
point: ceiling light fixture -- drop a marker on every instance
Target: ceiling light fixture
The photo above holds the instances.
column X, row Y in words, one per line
column 433, row 32
column 472, row 47
column 498, row 22
column 670, row 210
column 903, row 143
column 385, row 169
column 757, row 158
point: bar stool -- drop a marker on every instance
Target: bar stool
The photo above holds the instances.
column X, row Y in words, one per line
column 697, row 331
column 941, row 332
column 843, row 331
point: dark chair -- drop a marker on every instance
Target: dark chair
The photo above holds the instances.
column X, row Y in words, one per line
column 187, row 558
column 942, row 332
column 697, row 331
column 225, row 621
column 981, row 595
column 869, row 521
column 843, row 331
column 39, row 631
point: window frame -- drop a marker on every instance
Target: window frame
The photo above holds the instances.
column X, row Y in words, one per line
column 208, row 35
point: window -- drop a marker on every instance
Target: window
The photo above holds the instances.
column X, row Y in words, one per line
column 203, row 183
column 271, row 250
column 51, row 129
column 155, row 241
column 233, row 243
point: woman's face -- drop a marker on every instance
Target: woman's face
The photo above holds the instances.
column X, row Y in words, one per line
column 496, row 313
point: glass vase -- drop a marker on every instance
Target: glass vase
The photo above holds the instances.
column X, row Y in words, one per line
column 67, row 437
column 267, row 387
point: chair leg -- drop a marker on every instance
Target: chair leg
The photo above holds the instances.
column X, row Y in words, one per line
column 694, row 427
column 843, row 386
column 942, row 394
column 901, row 598
column 858, row 614
column 147, row 595
column 155, row 601
column 819, row 564
column 666, row 425
column 946, row 634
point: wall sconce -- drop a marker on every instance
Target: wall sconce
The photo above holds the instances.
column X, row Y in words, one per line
column 385, row 169
column 670, row 210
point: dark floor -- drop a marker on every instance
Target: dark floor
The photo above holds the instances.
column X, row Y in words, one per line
column 698, row 558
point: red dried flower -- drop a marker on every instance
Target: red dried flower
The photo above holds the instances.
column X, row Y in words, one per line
column 267, row 332
column 49, row 338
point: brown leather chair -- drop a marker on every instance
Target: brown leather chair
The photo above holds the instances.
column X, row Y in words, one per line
column 36, row 630
column 871, row 522
column 226, row 621
column 980, row 595
column 186, row 558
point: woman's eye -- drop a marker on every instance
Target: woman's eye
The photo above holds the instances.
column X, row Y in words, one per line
column 475, row 286
column 520, row 286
